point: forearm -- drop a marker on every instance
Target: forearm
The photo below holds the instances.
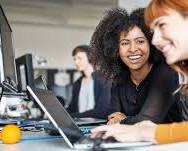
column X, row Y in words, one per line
column 169, row 133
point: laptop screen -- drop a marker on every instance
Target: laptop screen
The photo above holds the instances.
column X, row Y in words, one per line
column 57, row 112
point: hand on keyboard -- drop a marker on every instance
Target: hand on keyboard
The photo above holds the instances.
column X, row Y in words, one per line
column 99, row 138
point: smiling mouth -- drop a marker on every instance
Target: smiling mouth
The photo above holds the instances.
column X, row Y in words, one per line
column 135, row 58
column 166, row 48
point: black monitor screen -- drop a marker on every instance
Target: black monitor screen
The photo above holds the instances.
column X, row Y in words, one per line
column 24, row 68
column 8, row 57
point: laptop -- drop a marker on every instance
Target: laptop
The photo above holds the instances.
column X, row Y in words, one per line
column 66, row 125
column 89, row 121
column 39, row 83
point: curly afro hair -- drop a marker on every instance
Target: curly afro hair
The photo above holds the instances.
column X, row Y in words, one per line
column 105, row 41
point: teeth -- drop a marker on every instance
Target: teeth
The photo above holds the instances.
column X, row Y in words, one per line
column 166, row 48
column 135, row 57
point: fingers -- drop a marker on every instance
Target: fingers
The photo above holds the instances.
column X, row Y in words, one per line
column 101, row 128
column 110, row 122
column 121, row 136
column 122, row 133
column 113, row 121
column 115, row 118
column 116, row 114
column 108, row 134
column 105, row 128
column 112, row 115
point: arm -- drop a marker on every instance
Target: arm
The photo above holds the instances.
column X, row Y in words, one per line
column 169, row 133
column 143, row 131
column 160, row 98
column 115, row 104
column 115, row 111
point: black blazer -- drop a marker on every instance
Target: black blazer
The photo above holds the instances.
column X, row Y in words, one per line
column 102, row 96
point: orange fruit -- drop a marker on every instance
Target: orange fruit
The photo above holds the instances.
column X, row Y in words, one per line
column 10, row 134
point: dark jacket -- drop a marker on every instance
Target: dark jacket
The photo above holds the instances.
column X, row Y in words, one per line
column 102, row 96
column 151, row 100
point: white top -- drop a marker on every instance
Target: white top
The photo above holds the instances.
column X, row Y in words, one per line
column 183, row 79
column 86, row 96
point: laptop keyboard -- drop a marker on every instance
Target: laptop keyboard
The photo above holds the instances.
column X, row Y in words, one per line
column 98, row 140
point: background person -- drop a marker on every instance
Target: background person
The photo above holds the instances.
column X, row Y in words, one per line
column 91, row 93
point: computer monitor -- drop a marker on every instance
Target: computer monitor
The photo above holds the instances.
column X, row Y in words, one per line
column 8, row 71
column 24, row 68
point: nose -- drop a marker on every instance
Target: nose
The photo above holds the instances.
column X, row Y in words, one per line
column 132, row 47
column 76, row 61
column 156, row 39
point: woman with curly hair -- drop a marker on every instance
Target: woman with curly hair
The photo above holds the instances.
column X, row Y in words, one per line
column 168, row 19
column 122, row 50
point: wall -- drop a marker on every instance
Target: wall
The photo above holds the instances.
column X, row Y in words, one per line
column 132, row 4
column 52, row 28
column 53, row 43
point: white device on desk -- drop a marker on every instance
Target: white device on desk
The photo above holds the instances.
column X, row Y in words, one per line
column 8, row 102
column 66, row 125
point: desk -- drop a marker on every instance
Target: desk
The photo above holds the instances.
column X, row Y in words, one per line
column 37, row 141
column 58, row 144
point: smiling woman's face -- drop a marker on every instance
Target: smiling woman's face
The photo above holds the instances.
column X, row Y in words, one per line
column 171, row 36
column 134, row 48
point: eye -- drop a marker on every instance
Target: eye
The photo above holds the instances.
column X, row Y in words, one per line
column 162, row 25
column 124, row 43
column 140, row 42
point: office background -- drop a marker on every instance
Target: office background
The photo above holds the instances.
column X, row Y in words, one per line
column 50, row 29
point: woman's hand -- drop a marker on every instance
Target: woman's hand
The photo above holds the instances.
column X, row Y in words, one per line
column 143, row 131
column 115, row 118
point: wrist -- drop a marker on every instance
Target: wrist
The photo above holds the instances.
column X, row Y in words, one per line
column 148, row 132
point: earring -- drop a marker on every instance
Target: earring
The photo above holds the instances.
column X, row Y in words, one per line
column 182, row 62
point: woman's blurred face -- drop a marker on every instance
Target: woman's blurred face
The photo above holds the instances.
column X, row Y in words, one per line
column 171, row 36
column 134, row 48
column 81, row 61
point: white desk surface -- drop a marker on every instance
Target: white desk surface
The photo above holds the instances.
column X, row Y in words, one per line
column 58, row 144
